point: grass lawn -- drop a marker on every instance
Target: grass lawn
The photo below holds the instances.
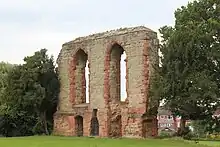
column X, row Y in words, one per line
column 91, row 142
column 210, row 143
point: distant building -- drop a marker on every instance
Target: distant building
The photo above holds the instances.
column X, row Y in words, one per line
column 217, row 113
column 166, row 121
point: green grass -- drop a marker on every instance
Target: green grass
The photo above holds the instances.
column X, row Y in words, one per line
column 90, row 142
column 210, row 143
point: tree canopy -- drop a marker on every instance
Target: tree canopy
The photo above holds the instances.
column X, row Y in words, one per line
column 190, row 73
column 30, row 96
column 4, row 70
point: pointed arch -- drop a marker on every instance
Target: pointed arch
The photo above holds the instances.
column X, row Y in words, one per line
column 117, row 73
column 79, row 78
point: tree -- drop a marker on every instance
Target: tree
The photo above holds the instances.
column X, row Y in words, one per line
column 31, row 96
column 190, row 71
column 208, row 126
column 48, row 80
column 4, row 70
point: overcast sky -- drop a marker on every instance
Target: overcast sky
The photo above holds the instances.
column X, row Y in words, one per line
column 29, row 25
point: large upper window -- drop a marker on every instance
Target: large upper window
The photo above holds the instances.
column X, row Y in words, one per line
column 117, row 76
column 81, row 77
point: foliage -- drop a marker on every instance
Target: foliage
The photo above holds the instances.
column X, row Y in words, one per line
column 165, row 134
column 4, row 70
column 30, row 96
column 199, row 128
column 213, row 125
column 190, row 73
column 215, row 136
column 183, row 132
column 189, row 136
column 209, row 126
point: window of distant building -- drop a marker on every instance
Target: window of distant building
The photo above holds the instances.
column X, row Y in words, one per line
column 165, row 125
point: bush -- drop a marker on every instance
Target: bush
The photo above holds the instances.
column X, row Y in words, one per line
column 183, row 132
column 186, row 134
column 214, row 136
column 189, row 136
column 165, row 134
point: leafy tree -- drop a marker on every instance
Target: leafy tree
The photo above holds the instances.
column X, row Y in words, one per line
column 47, row 80
column 4, row 70
column 208, row 126
column 199, row 128
column 190, row 71
column 31, row 96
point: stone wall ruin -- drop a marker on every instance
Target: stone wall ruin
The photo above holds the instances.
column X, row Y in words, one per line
column 106, row 115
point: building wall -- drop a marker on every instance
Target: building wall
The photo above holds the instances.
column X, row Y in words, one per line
column 167, row 121
column 115, row 118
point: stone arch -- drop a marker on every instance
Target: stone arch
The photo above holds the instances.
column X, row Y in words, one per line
column 113, row 72
column 79, row 125
column 78, row 77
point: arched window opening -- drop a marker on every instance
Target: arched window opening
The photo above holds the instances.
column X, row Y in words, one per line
column 117, row 76
column 81, row 77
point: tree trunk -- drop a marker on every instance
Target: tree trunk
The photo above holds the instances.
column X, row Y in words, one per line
column 182, row 125
column 45, row 123
column 175, row 123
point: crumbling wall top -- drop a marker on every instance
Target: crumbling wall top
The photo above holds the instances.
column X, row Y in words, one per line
column 110, row 33
column 107, row 34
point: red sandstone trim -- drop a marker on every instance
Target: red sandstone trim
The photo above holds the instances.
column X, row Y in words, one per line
column 146, row 84
column 83, row 96
column 154, row 126
column 118, row 78
column 106, row 83
column 127, row 80
column 89, row 96
column 140, row 110
column 106, row 71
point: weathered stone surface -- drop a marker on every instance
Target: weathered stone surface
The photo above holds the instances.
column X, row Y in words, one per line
column 103, row 52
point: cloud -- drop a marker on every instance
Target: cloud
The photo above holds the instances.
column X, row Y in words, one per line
column 28, row 25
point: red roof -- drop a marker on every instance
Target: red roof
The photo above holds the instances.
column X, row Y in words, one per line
column 217, row 112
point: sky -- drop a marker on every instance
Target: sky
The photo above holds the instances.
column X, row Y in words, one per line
column 30, row 25
column 27, row 26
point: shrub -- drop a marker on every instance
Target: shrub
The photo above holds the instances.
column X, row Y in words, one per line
column 165, row 134
column 214, row 136
column 189, row 136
